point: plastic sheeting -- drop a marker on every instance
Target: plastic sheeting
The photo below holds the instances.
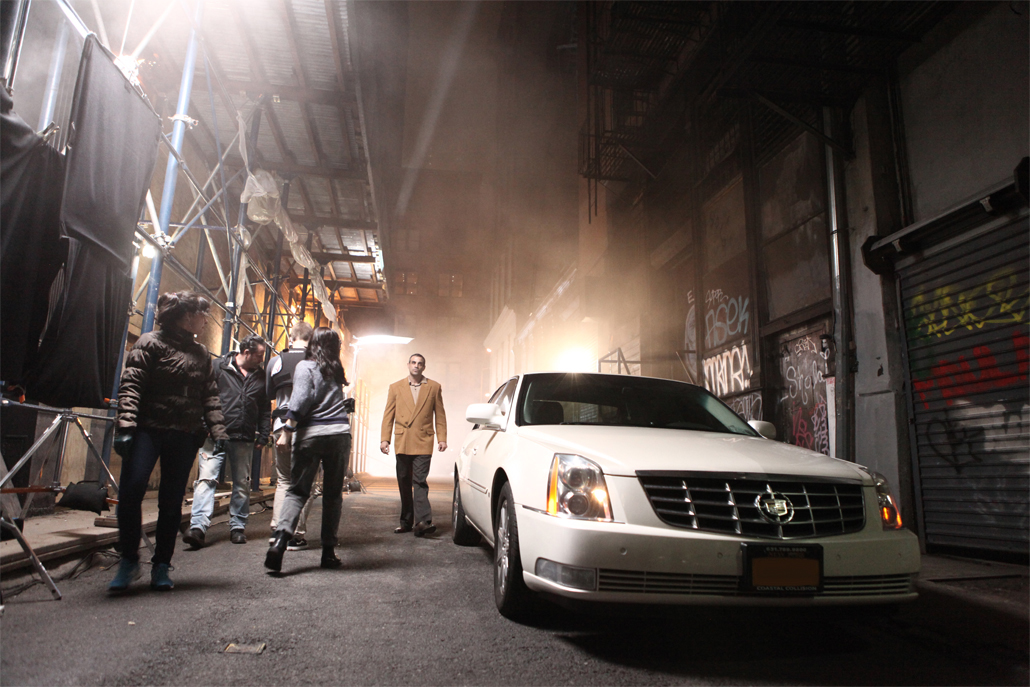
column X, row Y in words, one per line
column 261, row 194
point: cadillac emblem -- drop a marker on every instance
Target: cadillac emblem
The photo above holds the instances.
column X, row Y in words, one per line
column 775, row 507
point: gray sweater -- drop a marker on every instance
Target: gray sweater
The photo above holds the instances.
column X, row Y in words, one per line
column 316, row 403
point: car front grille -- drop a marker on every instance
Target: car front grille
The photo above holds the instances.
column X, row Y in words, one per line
column 729, row 505
column 665, row 583
column 641, row 582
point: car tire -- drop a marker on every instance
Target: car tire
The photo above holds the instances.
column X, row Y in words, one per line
column 512, row 596
column 462, row 533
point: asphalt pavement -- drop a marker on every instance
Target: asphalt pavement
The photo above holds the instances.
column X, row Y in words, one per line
column 410, row 611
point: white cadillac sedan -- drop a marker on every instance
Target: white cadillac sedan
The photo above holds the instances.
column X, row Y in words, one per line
column 620, row 489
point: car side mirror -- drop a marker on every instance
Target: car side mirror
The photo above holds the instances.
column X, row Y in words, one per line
column 484, row 414
column 766, row 429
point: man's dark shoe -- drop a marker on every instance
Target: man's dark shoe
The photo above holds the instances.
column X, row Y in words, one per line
column 237, row 537
column 329, row 559
column 274, row 557
column 424, row 528
column 194, row 538
column 403, row 529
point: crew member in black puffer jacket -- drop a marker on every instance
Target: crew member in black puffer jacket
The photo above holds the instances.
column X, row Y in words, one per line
column 167, row 404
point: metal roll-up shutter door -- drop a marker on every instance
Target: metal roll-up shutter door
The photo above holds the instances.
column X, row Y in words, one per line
column 966, row 326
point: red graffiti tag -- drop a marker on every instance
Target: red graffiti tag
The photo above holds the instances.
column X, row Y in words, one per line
column 958, row 379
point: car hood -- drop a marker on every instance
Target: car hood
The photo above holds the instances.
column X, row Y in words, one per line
column 625, row 450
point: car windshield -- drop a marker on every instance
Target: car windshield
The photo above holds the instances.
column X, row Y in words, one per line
column 623, row 401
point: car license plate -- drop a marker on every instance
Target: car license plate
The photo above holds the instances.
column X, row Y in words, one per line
column 783, row 568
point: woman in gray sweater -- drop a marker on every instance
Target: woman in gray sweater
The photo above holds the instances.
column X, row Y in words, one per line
column 320, row 423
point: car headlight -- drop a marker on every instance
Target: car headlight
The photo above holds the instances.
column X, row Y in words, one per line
column 576, row 489
column 890, row 516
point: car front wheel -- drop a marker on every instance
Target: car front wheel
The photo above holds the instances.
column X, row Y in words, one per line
column 511, row 595
column 462, row 533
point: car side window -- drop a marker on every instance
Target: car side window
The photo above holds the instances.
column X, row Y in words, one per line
column 495, row 398
column 509, row 392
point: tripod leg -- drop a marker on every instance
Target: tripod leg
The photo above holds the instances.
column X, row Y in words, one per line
column 96, row 454
column 54, row 426
column 36, row 563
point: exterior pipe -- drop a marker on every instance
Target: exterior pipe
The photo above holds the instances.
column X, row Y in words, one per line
column 15, row 16
column 171, row 171
column 53, row 82
column 237, row 249
column 842, row 329
column 276, row 279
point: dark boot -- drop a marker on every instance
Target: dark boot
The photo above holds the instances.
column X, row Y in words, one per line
column 274, row 557
column 329, row 559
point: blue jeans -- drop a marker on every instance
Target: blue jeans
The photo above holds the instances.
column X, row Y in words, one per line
column 176, row 451
column 239, row 454
column 333, row 453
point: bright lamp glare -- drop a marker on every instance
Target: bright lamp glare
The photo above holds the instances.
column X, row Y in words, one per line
column 576, row 360
column 149, row 251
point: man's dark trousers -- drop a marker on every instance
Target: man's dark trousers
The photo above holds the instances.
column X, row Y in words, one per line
column 412, row 471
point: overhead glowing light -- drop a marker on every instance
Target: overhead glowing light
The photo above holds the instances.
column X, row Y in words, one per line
column 149, row 251
column 382, row 339
column 576, row 360
column 489, row 350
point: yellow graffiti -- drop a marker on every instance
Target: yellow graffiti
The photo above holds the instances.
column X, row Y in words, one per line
column 1003, row 300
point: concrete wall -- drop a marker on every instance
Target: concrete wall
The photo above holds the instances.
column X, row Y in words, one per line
column 965, row 96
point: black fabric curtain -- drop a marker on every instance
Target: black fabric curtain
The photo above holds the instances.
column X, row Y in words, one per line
column 112, row 151
column 79, row 352
column 31, row 250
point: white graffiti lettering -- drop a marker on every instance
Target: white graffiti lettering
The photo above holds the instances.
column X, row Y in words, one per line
column 728, row 372
column 725, row 318
column 748, row 406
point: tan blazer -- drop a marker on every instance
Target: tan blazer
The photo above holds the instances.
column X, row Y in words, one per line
column 413, row 426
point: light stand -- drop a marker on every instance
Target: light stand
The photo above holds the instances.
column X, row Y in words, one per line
column 65, row 417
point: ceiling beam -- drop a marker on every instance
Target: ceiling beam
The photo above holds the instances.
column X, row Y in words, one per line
column 300, row 94
column 817, row 65
column 324, row 258
column 333, row 284
column 342, row 76
column 340, row 222
column 849, row 30
column 297, row 169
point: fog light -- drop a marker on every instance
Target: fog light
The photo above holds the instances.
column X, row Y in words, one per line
column 567, row 575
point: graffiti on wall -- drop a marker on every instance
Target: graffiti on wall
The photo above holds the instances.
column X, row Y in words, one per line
column 748, row 406
column 728, row 372
column 802, row 412
column 955, row 378
column 726, row 317
column 1001, row 300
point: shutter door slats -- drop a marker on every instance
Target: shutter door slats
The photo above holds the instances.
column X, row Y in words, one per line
column 968, row 344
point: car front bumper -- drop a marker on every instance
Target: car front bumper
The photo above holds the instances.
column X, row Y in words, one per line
column 660, row 564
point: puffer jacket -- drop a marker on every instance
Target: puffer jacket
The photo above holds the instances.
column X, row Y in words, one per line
column 168, row 382
column 245, row 405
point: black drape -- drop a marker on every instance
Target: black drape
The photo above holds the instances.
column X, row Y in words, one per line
column 79, row 351
column 113, row 147
column 112, row 150
column 31, row 252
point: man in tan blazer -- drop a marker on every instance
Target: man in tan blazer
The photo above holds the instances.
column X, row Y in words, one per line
column 411, row 406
